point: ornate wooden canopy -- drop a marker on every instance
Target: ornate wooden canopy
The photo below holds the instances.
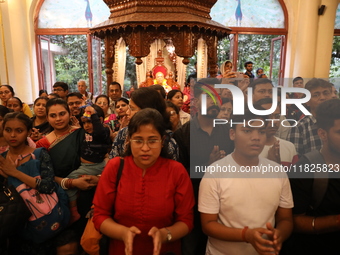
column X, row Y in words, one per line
column 140, row 22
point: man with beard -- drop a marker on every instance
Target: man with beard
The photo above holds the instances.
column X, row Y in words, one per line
column 75, row 101
column 201, row 144
column 249, row 68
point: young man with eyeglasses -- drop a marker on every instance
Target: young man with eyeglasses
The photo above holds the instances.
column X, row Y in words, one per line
column 115, row 92
column 61, row 88
column 74, row 101
column 305, row 134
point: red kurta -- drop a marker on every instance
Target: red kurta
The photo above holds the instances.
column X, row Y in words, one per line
column 160, row 198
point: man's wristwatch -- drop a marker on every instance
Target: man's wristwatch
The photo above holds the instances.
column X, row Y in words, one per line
column 168, row 236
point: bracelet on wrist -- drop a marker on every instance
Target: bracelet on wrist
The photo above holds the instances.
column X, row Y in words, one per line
column 62, row 183
column 244, row 230
column 313, row 224
column 68, row 183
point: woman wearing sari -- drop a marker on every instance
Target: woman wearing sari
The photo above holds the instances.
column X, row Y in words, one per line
column 63, row 144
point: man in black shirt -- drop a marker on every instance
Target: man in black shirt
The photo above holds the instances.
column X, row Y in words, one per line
column 315, row 185
column 201, row 144
column 249, row 68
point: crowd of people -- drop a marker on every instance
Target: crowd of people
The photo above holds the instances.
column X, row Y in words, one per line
column 149, row 166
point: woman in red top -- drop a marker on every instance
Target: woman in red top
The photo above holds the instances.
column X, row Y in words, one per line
column 151, row 209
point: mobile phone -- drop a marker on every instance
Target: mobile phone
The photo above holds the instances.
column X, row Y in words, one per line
column 239, row 75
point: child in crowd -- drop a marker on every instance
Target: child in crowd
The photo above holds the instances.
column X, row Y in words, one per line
column 41, row 127
column 93, row 152
column 18, row 165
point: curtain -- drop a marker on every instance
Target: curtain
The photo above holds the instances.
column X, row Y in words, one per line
column 202, row 59
column 120, row 62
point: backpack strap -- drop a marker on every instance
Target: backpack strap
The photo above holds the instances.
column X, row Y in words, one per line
column 320, row 182
column 120, row 171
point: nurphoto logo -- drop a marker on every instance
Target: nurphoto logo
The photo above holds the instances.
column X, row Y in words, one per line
column 239, row 103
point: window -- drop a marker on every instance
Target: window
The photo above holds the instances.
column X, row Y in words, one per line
column 66, row 50
column 254, row 37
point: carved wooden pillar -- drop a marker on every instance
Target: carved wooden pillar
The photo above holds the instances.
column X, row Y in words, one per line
column 212, row 41
column 109, row 58
column 139, row 43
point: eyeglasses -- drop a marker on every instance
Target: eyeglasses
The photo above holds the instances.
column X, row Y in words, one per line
column 6, row 92
column 172, row 113
column 74, row 103
column 325, row 93
column 152, row 143
column 57, row 90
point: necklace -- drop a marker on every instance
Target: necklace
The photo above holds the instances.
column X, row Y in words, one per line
column 62, row 134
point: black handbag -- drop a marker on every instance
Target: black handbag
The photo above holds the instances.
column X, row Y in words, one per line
column 13, row 211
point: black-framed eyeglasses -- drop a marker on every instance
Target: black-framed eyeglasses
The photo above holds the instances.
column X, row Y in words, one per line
column 151, row 143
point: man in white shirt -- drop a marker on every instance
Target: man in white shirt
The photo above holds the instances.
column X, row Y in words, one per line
column 240, row 210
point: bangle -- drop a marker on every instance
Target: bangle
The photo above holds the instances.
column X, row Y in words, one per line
column 244, row 230
column 37, row 182
column 313, row 223
column 62, row 183
column 68, row 183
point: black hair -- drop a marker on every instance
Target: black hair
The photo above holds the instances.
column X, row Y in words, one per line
column 327, row 112
column 42, row 91
column 55, row 95
column 150, row 98
column 57, row 101
column 247, row 63
column 40, row 98
column 143, row 117
column 65, row 237
column 160, row 89
column 258, row 69
column 74, row 94
column 172, row 93
column 10, row 88
column 4, row 110
column 61, row 84
column 316, row 83
column 99, row 111
column 123, row 99
column 104, row 96
column 172, row 105
column 21, row 117
column 260, row 81
column 116, row 83
column 226, row 100
column 297, row 79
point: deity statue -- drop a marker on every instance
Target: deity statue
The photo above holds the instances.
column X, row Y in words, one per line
column 162, row 81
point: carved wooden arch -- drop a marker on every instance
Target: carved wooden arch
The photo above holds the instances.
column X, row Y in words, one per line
column 139, row 39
